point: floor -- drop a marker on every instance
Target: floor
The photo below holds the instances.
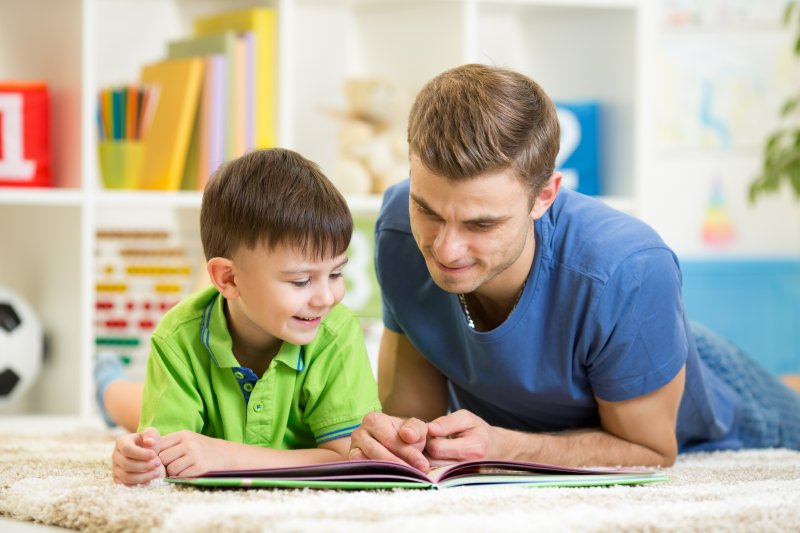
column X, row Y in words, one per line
column 8, row 525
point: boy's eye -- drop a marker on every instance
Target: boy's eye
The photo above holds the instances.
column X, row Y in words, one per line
column 301, row 283
column 335, row 275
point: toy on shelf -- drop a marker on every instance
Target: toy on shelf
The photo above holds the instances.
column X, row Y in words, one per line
column 24, row 134
column 141, row 274
column 373, row 150
column 21, row 346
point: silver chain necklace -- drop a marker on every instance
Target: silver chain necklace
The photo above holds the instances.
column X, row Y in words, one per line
column 470, row 322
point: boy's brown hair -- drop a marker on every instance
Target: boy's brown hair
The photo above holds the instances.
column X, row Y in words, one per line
column 474, row 119
column 273, row 197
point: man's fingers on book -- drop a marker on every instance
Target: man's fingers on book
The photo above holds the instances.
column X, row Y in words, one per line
column 413, row 431
column 452, row 424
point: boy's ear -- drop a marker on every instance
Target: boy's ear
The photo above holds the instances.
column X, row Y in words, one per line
column 546, row 196
column 223, row 276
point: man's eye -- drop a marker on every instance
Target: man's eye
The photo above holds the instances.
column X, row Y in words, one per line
column 482, row 227
column 302, row 283
column 426, row 213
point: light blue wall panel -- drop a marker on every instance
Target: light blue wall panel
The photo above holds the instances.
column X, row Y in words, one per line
column 754, row 304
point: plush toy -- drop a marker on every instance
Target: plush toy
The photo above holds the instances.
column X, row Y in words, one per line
column 373, row 151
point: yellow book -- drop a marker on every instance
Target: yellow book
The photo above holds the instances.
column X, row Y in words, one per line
column 262, row 22
column 177, row 84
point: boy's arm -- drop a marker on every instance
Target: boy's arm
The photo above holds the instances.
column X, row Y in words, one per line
column 186, row 454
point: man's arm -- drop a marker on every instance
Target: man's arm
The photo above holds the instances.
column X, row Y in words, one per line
column 408, row 385
column 639, row 431
column 411, row 390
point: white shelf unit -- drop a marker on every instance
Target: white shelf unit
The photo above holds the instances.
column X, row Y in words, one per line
column 576, row 49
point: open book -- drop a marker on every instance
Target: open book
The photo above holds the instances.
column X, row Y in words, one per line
column 385, row 475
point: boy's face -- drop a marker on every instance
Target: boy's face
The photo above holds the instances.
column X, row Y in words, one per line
column 283, row 295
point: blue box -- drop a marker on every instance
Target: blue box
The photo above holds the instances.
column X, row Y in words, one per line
column 579, row 157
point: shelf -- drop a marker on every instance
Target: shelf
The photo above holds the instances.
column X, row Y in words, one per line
column 364, row 204
column 574, row 4
column 149, row 198
column 28, row 196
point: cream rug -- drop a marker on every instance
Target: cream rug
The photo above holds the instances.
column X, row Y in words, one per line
column 64, row 480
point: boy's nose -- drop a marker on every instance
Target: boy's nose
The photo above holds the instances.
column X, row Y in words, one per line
column 324, row 296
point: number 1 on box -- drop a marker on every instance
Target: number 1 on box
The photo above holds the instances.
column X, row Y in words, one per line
column 12, row 164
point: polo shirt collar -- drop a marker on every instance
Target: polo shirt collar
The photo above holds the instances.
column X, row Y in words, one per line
column 216, row 339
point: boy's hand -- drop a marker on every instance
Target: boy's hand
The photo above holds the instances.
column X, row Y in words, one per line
column 186, row 453
column 135, row 458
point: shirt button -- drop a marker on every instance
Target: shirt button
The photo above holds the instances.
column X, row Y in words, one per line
column 238, row 375
column 258, row 407
column 248, row 387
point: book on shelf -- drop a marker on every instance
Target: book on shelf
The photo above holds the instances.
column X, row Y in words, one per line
column 385, row 475
column 259, row 64
column 214, row 135
column 169, row 134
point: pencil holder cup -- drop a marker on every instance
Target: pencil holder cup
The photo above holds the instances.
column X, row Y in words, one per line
column 120, row 163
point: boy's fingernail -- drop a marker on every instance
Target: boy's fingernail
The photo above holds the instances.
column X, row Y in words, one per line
column 421, row 465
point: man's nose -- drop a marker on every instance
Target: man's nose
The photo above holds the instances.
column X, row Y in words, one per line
column 448, row 246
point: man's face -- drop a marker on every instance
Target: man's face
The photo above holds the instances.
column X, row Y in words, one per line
column 470, row 232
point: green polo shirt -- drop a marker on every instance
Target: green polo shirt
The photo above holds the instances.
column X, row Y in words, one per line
column 307, row 395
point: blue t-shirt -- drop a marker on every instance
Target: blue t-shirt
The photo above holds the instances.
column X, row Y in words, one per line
column 601, row 316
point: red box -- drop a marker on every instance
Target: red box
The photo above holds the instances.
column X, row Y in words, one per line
column 24, row 135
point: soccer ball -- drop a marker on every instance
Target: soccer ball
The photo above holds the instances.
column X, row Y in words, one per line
column 21, row 346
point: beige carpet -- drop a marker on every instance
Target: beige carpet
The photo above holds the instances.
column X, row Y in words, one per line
column 64, row 480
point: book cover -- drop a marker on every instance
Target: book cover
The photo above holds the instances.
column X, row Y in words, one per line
column 168, row 136
column 262, row 21
column 385, row 475
column 219, row 44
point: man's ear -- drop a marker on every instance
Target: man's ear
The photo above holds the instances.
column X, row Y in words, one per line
column 546, row 196
column 221, row 271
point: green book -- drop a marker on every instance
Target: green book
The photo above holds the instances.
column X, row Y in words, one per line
column 361, row 475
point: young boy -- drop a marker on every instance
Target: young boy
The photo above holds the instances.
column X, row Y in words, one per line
column 263, row 368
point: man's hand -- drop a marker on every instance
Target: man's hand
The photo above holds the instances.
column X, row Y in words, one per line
column 460, row 436
column 186, row 453
column 388, row 438
column 135, row 458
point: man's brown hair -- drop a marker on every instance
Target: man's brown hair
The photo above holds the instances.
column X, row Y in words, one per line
column 474, row 119
column 273, row 197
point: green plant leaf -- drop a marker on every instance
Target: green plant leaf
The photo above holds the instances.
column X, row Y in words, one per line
column 787, row 12
column 789, row 106
column 782, row 147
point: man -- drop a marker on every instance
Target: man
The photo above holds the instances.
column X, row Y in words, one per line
column 548, row 325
